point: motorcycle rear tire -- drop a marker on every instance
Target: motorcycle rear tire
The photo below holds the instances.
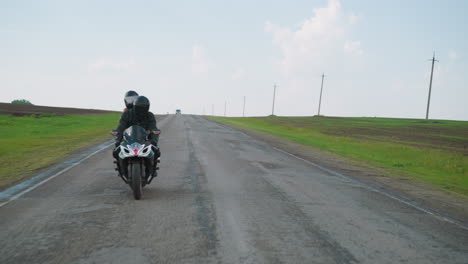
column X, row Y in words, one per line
column 135, row 183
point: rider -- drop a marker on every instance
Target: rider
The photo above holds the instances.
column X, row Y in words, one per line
column 139, row 115
column 129, row 98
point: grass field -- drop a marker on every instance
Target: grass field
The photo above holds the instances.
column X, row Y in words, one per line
column 434, row 151
column 30, row 143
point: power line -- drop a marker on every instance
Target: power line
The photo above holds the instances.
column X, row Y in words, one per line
column 243, row 109
column 430, row 85
column 274, row 95
column 321, row 89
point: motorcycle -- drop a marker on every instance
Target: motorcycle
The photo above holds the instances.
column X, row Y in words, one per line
column 135, row 163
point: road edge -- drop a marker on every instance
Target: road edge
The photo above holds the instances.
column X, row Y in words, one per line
column 18, row 189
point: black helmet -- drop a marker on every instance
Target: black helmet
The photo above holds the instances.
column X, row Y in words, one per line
column 129, row 98
column 141, row 105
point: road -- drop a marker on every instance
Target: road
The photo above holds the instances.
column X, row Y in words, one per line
column 221, row 197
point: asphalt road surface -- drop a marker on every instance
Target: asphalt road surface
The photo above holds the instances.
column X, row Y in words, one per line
column 221, row 197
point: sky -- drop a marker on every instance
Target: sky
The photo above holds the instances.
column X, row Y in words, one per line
column 200, row 56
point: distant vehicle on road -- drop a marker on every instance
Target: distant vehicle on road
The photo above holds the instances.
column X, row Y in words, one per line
column 178, row 112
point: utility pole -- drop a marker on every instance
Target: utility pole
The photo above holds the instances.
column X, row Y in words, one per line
column 203, row 110
column 212, row 109
column 274, row 95
column 321, row 89
column 225, row 108
column 243, row 109
column 430, row 85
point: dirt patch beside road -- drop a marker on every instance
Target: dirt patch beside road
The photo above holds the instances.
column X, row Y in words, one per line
column 422, row 194
column 24, row 110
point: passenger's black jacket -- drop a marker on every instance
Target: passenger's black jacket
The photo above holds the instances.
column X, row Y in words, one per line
column 129, row 118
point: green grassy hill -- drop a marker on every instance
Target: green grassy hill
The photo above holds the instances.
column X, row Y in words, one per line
column 30, row 143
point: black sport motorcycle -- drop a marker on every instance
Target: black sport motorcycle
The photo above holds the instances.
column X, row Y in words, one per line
column 135, row 164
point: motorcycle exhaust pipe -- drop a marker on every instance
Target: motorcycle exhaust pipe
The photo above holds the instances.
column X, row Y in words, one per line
column 124, row 178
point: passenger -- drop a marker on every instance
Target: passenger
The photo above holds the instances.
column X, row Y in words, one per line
column 140, row 115
column 129, row 98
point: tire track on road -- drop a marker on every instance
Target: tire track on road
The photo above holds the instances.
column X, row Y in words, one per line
column 205, row 214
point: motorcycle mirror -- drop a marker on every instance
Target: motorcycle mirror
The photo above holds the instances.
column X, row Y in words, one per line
column 114, row 132
column 156, row 132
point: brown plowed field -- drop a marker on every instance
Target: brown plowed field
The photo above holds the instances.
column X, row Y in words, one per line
column 24, row 109
column 441, row 135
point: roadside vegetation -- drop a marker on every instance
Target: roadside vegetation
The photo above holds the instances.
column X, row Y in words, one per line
column 21, row 101
column 33, row 142
column 433, row 151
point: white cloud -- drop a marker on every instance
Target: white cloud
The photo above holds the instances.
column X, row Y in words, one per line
column 125, row 64
column 453, row 55
column 353, row 47
column 353, row 19
column 200, row 62
column 318, row 40
column 322, row 43
column 238, row 74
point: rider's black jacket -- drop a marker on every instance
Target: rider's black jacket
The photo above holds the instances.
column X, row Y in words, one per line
column 130, row 118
